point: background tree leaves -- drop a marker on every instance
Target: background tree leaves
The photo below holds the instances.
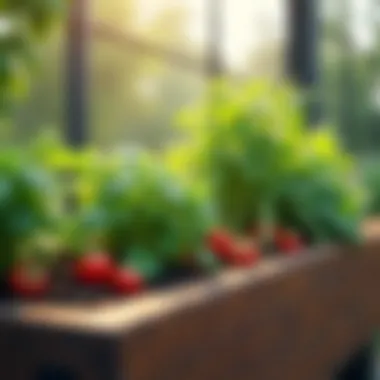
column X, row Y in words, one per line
column 25, row 23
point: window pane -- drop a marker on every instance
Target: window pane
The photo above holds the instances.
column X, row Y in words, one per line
column 176, row 24
column 151, row 64
column 255, row 36
column 351, row 67
column 134, row 97
column 145, row 70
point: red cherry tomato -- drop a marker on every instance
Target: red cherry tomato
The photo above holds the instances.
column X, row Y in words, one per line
column 221, row 243
column 245, row 256
column 288, row 242
column 127, row 281
column 94, row 268
column 29, row 283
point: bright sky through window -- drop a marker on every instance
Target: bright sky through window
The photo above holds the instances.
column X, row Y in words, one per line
column 247, row 23
column 252, row 24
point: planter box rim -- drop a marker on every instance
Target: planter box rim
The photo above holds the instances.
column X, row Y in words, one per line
column 115, row 316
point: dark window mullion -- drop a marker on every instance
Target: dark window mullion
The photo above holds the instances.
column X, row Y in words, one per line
column 303, row 51
column 77, row 72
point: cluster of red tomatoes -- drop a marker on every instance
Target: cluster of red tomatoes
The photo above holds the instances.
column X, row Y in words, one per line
column 100, row 269
column 243, row 253
column 92, row 269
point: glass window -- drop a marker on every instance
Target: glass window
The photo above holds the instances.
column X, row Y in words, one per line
column 145, row 65
column 147, row 60
column 255, row 36
column 178, row 25
column 134, row 96
column 351, row 68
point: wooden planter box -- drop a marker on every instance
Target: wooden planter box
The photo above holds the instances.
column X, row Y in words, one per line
column 289, row 318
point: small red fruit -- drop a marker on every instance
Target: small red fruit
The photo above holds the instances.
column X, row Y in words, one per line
column 221, row 243
column 245, row 255
column 28, row 282
column 288, row 242
column 127, row 281
column 94, row 268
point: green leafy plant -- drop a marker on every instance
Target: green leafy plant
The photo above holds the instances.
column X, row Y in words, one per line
column 73, row 168
column 29, row 207
column 370, row 173
column 322, row 196
column 251, row 144
column 245, row 137
column 142, row 215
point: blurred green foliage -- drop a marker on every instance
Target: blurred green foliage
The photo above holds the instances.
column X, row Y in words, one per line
column 370, row 173
column 23, row 23
column 264, row 165
column 29, row 207
column 128, row 202
column 247, row 148
column 350, row 63
column 140, row 212
column 323, row 196
column 246, row 136
column 248, row 160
